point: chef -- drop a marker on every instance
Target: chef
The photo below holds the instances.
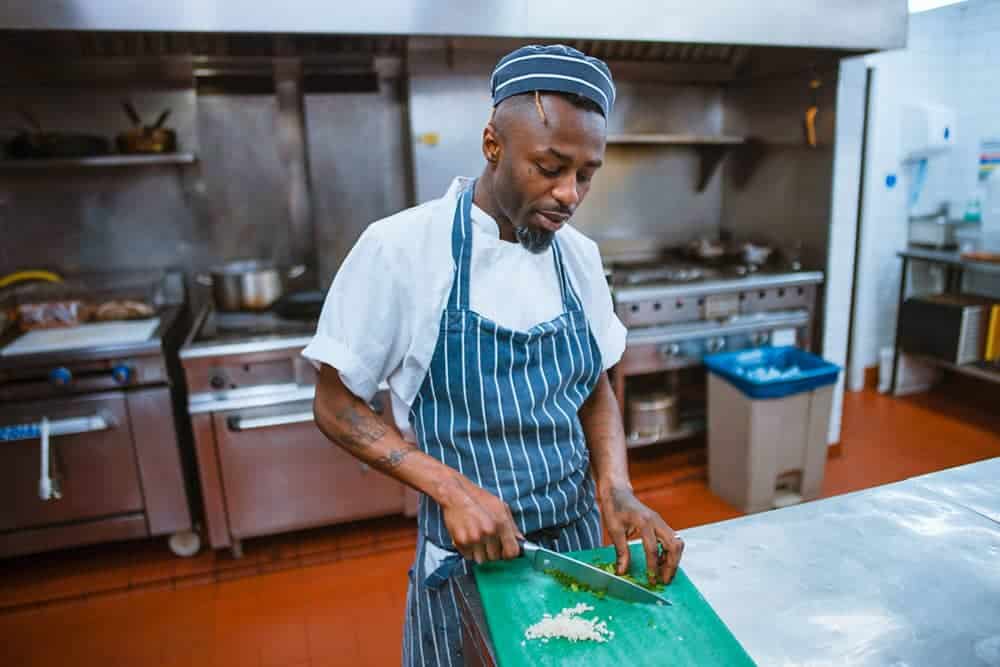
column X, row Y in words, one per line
column 489, row 317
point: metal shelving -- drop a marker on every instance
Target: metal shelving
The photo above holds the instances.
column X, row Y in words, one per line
column 99, row 161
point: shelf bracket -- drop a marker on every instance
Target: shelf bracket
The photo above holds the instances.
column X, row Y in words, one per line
column 711, row 156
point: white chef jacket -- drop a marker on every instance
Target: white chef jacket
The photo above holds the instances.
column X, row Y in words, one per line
column 382, row 315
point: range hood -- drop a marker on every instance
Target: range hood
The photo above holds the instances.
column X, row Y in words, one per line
column 855, row 25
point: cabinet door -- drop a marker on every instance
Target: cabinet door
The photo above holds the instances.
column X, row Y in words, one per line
column 92, row 456
column 281, row 473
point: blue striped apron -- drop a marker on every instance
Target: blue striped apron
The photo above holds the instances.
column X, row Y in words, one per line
column 500, row 406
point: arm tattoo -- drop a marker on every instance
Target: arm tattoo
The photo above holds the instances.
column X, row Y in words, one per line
column 618, row 498
column 358, row 430
column 393, row 460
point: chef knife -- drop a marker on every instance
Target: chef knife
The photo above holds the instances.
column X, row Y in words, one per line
column 594, row 578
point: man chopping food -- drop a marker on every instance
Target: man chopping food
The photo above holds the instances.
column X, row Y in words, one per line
column 490, row 319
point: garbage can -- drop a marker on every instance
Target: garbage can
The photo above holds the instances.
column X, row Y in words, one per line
column 768, row 419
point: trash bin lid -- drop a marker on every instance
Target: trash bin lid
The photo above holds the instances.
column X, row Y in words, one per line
column 773, row 372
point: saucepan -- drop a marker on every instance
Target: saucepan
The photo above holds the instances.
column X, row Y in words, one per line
column 248, row 284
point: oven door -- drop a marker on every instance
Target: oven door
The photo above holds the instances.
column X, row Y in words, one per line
column 92, row 459
column 281, row 473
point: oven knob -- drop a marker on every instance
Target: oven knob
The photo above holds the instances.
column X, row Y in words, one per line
column 758, row 339
column 217, row 382
column 123, row 373
column 716, row 345
column 61, row 376
column 670, row 350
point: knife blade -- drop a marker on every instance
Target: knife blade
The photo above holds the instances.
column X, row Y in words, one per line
column 596, row 579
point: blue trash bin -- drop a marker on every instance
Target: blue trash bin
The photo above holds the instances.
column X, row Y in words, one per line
column 768, row 420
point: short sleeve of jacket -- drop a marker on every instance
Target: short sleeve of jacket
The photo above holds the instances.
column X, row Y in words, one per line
column 362, row 330
column 592, row 285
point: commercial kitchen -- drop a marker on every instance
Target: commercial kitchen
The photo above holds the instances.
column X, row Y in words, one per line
column 797, row 216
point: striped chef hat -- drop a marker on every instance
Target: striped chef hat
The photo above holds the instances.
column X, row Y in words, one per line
column 557, row 68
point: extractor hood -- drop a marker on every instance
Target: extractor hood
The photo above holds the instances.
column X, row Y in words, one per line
column 856, row 25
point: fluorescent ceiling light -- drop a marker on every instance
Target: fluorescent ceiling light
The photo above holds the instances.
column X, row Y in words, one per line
column 927, row 5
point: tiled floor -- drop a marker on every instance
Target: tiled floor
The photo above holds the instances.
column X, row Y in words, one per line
column 334, row 596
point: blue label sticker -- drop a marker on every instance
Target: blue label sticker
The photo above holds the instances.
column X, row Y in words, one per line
column 890, row 181
column 947, row 133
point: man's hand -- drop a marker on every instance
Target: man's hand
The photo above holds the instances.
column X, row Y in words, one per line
column 626, row 517
column 480, row 524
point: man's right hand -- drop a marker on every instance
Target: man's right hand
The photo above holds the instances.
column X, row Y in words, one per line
column 480, row 524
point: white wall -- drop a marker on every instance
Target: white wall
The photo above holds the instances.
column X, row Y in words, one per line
column 952, row 59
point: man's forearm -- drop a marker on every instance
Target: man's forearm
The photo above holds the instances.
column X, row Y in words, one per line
column 348, row 422
column 602, row 427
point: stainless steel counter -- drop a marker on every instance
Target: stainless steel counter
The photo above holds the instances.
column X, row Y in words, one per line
column 904, row 574
column 754, row 281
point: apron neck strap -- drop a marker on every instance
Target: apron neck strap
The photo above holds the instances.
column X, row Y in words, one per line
column 461, row 253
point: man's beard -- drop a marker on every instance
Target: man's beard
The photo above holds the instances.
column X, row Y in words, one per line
column 533, row 239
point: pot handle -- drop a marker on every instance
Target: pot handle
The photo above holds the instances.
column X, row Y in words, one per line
column 296, row 271
column 203, row 279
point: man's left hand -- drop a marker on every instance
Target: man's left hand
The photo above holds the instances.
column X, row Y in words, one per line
column 625, row 517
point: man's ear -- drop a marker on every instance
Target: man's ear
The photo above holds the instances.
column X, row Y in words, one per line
column 492, row 148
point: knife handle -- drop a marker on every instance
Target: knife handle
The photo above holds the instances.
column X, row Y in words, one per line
column 528, row 548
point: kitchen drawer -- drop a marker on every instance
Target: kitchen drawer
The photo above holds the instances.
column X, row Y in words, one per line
column 281, row 473
column 97, row 468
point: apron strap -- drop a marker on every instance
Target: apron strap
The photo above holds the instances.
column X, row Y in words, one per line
column 461, row 254
column 570, row 300
column 461, row 249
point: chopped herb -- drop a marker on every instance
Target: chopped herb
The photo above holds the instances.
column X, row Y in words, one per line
column 610, row 567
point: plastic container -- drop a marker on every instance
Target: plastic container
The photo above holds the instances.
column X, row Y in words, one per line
column 773, row 372
column 768, row 420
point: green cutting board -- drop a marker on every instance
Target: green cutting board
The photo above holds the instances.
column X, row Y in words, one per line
column 687, row 632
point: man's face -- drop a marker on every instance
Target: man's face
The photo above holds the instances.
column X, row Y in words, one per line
column 544, row 169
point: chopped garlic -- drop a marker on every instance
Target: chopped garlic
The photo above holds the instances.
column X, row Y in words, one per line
column 567, row 624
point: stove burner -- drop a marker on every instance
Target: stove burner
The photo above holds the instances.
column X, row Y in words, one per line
column 222, row 326
column 670, row 274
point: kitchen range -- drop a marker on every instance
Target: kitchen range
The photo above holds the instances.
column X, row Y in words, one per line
column 264, row 466
column 89, row 447
column 677, row 309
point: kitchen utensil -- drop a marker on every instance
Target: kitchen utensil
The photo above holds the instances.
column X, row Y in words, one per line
column 132, row 114
column 545, row 560
column 248, row 284
column 809, row 120
column 38, row 143
column 514, row 596
column 707, row 250
column 652, row 416
column 140, row 139
column 161, row 119
column 300, row 305
column 24, row 276
column 755, row 254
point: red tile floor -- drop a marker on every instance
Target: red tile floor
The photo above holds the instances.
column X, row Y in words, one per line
column 335, row 596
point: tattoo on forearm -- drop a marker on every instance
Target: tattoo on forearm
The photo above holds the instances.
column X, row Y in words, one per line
column 393, row 459
column 359, row 430
column 618, row 498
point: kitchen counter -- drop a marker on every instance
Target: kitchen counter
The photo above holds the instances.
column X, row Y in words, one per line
column 947, row 258
column 902, row 574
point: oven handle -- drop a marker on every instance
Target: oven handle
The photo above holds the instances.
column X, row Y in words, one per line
column 68, row 426
column 250, row 423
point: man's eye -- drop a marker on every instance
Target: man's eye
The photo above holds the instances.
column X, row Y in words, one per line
column 547, row 172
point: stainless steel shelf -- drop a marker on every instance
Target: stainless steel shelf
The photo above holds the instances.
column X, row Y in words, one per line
column 99, row 161
column 689, row 428
column 948, row 258
column 675, row 139
column 965, row 369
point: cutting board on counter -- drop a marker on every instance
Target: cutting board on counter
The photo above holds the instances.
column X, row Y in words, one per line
column 84, row 335
column 687, row 632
